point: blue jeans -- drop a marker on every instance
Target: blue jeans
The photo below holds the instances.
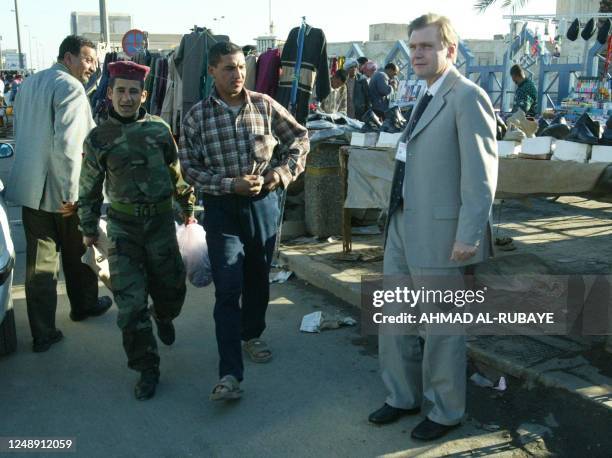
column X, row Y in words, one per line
column 240, row 233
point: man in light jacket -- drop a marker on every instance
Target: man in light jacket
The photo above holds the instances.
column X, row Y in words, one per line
column 52, row 119
column 441, row 197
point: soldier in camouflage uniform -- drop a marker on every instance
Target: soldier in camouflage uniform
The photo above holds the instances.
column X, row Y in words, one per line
column 137, row 155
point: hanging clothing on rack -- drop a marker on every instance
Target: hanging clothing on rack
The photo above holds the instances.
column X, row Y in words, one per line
column 268, row 72
column 251, row 72
column 314, row 70
column 173, row 100
column 191, row 62
column 99, row 102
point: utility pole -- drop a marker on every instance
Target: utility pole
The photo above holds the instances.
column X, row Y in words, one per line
column 30, row 56
column 18, row 37
column 104, row 30
column 1, row 65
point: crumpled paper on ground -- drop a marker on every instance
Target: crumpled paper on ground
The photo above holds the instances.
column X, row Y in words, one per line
column 318, row 321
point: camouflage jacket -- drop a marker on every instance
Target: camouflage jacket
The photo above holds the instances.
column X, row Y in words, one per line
column 139, row 162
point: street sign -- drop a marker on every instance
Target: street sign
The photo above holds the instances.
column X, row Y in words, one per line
column 133, row 42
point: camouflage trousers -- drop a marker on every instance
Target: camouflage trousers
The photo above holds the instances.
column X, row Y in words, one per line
column 144, row 260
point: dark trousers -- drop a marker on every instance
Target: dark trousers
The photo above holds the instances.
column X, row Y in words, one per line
column 240, row 232
column 47, row 235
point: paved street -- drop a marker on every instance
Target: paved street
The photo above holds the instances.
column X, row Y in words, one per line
column 312, row 400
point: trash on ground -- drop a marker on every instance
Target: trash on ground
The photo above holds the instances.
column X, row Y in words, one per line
column 318, row 321
column 484, row 382
column 365, row 230
column 333, row 239
column 302, row 241
column 491, row 427
column 311, row 322
column 281, row 276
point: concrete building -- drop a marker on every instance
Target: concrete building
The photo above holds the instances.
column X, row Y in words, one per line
column 577, row 7
column 89, row 23
column 10, row 59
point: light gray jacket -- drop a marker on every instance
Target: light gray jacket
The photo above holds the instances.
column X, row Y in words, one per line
column 52, row 119
column 451, row 175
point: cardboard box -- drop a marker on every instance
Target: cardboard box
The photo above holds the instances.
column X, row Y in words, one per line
column 601, row 153
column 387, row 140
column 537, row 146
column 571, row 151
column 367, row 140
column 508, row 149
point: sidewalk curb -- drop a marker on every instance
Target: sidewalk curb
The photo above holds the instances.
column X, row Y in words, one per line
column 345, row 287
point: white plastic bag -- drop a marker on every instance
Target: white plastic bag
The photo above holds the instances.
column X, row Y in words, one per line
column 194, row 251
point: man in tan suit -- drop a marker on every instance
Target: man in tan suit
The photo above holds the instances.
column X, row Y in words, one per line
column 441, row 198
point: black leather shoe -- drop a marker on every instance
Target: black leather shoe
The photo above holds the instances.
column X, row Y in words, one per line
column 372, row 123
column 581, row 133
column 558, row 131
column 542, row 124
column 42, row 345
column 102, row 305
column 387, row 414
column 572, row 31
column 603, row 30
column 429, row 430
column 588, row 30
column 145, row 388
column 165, row 331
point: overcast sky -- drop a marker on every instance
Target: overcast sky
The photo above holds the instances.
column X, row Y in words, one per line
column 48, row 22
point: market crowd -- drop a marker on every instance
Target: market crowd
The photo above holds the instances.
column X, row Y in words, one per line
column 237, row 148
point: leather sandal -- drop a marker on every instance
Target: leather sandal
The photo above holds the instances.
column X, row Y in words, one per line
column 257, row 350
column 226, row 389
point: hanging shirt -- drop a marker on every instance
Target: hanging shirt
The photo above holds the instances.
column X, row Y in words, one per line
column 268, row 69
column 218, row 145
column 251, row 72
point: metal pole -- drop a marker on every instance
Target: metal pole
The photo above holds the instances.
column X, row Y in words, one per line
column 1, row 66
column 30, row 57
column 18, row 36
column 104, row 30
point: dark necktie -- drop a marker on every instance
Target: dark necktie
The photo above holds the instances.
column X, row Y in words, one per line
column 400, row 166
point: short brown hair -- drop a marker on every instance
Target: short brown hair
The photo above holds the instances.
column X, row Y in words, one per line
column 447, row 32
column 517, row 71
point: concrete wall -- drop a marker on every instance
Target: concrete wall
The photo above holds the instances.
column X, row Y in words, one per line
column 577, row 7
column 388, row 32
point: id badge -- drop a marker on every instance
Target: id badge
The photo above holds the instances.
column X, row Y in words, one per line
column 401, row 152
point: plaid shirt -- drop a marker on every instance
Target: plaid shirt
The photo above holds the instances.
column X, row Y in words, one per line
column 218, row 146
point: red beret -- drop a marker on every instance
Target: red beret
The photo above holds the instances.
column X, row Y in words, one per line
column 128, row 70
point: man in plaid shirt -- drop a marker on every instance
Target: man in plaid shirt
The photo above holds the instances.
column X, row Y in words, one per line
column 237, row 147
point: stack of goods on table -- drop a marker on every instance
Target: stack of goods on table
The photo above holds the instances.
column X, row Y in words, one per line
column 586, row 140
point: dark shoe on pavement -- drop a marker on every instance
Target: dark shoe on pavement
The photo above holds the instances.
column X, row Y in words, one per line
column 145, row 388
column 429, row 430
column 387, row 414
column 102, row 305
column 165, row 331
column 42, row 345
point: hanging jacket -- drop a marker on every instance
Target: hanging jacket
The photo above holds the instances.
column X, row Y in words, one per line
column 268, row 69
column 251, row 72
column 314, row 69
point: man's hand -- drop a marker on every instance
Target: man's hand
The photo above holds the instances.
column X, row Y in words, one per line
column 248, row 185
column 89, row 241
column 68, row 209
column 190, row 220
column 271, row 181
column 463, row 252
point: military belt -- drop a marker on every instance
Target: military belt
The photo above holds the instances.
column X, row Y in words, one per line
column 143, row 209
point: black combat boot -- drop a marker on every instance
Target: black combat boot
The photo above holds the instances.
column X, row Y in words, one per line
column 165, row 331
column 145, row 388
